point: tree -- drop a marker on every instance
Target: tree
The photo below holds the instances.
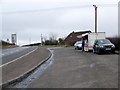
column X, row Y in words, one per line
column 44, row 38
column 52, row 39
column 49, row 42
column 52, row 36
column 61, row 41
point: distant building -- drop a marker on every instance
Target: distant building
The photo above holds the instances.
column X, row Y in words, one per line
column 74, row 36
column 5, row 43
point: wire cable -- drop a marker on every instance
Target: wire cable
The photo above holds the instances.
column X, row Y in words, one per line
column 59, row 8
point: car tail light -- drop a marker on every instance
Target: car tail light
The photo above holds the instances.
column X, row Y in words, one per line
column 90, row 46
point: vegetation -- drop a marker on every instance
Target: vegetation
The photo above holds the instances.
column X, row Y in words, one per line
column 53, row 40
column 115, row 41
column 61, row 41
column 4, row 44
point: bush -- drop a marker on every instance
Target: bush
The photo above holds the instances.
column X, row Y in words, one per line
column 115, row 41
column 61, row 41
column 51, row 42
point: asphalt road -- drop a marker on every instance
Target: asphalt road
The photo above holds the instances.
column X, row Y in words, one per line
column 20, row 67
column 13, row 53
column 76, row 69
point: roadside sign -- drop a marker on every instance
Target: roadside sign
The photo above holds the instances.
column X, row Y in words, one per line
column 14, row 38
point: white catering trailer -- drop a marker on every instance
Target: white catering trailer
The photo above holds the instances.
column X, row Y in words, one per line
column 90, row 38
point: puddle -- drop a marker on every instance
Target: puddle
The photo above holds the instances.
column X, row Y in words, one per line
column 94, row 64
column 36, row 74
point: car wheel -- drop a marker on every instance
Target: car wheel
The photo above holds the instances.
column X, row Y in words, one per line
column 113, row 52
column 98, row 51
column 77, row 48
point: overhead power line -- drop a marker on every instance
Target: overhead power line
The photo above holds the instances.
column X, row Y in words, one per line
column 59, row 8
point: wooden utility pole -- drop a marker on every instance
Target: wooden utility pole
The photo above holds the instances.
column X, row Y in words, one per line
column 95, row 18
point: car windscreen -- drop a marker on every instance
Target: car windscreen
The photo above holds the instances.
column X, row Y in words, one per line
column 104, row 42
column 80, row 42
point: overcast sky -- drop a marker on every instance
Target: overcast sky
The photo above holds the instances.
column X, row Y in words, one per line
column 31, row 18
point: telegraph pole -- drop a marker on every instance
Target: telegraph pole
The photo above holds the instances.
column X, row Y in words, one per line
column 95, row 18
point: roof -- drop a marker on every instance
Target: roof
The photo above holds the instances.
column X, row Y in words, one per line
column 5, row 42
column 82, row 32
column 75, row 34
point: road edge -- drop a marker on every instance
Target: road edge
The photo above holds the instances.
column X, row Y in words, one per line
column 26, row 74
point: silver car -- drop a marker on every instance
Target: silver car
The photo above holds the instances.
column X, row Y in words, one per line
column 78, row 45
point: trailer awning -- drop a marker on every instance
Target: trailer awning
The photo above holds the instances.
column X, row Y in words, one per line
column 84, row 34
column 79, row 36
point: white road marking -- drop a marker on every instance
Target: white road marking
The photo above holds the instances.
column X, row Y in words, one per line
column 19, row 57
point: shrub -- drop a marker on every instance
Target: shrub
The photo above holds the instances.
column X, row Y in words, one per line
column 51, row 42
column 115, row 41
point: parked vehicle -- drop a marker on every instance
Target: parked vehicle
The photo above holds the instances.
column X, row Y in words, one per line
column 78, row 45
column 103, row 45
column 90, row 39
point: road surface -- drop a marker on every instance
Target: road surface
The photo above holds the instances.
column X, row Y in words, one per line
column 21, row 66
column 14, row 53
column 76, row 69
